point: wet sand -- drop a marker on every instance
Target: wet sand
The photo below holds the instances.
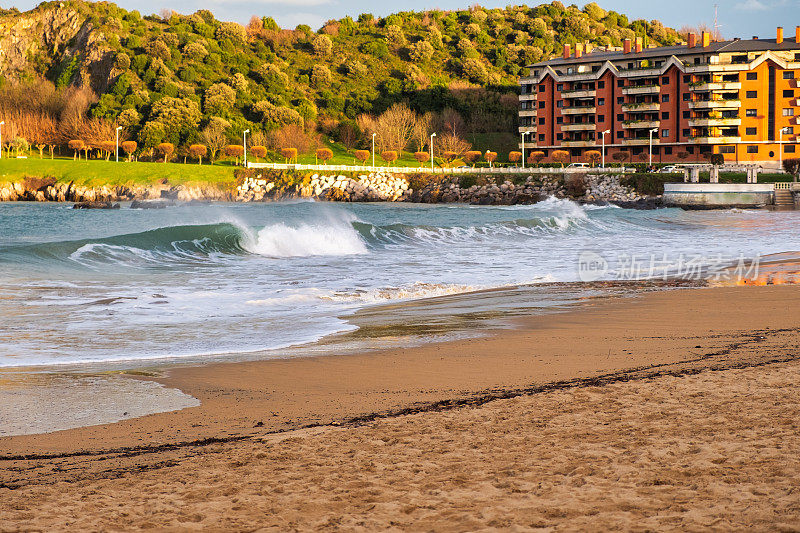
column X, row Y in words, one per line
column 674, row 409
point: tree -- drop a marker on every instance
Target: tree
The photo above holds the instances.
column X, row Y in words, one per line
column 389, row 156
column 593, row 156
column 259, row 151
column 324, row 154
column 362, row 155
column 108, row 148
column 198, row 151
column 449, row 155
column 475, row 70
column 490, row 157
column 622, row 155
column 128, row 147
column 717, row 159
column 322, row 45
column 77, row 146
column 320, row 75
column 233, row 31
column 535, row 157
column 179, row 116
column 234, row 150
column 274, row 117
column 515, row 157
column 471, row 156
column 166, row 150
column 421, row 51
column 453, row 143
column 560, row 156
column 792, row 166
column 422, row 157
column 289, row 153
column 219, row 98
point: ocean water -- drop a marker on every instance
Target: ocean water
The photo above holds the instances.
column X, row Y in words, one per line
column 126, row 288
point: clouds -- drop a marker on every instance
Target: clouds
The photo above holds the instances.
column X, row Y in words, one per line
column 751, row 5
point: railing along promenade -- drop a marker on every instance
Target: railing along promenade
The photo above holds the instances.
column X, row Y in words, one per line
column 437, row 170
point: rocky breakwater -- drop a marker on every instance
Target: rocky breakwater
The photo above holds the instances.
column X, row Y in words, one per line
column 364, row 188
column 49, row 190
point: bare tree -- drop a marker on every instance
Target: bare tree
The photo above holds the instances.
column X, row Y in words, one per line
column 214, row 138
column 422, row 130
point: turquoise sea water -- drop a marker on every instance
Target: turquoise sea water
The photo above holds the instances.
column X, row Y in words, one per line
column 110, row 289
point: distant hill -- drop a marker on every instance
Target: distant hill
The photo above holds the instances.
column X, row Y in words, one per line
column 168, row 77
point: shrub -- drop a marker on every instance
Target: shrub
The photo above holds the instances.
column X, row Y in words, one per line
column 289, row 153
column 515, row 157
column 560, row 156
column 389, row 156
column 324, row 154
column 362, row 155
column 649, row 183
column 422, row 157
column 259, row 151
column 421, row 51
column 717, row 159
column 198, row 151
column 322, row 45
column 166, row 150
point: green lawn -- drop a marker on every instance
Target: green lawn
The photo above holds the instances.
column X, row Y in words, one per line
column 99, row 172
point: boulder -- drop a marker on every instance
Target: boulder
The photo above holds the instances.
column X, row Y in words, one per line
column 95, row 205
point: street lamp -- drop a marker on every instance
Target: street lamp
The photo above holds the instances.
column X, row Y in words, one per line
column 432, row 136
column 654, row 130
column 244, row 135
column 603, row 153
column 116, row 151
column 522, row 138
column 1, row 138
column 780, row 147
column 373, row 151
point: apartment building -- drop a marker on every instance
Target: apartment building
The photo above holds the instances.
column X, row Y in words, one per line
column 739, row 98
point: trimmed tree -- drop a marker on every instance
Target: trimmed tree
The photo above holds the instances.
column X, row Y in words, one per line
column 259, row 152
column 198, row 151
column 77, row 146
column 234, row 150
column 422, row 157
column 593, row 156
column 471, row 156
column 129, row 147
column 515, row 157
column 792, row 166
column 389, row 156
column 535, row 157
column 361, row 155
column 449, row 156
column 289, row 154
column 324, row 154
column 108, row 148
column 560, row 156
column 490, row 157
column 623, row 156
column 166, row 150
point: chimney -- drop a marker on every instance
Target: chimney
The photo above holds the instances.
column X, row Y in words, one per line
column 567, row 51
column 626, row 46
column 779, row 38
column 579, row 50
column 755, row 37
column 692, row 40
column 589, row 47
column 639, row 45
column 706, row 39
column 797, row 34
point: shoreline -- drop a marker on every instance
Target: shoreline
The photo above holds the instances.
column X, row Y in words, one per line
column 592, row 344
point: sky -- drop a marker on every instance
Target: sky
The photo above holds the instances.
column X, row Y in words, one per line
column 737, row 18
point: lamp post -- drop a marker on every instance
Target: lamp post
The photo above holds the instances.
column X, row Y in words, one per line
column 244, row 135
column 522, row 138
column 1, row 138
column 603, row 153
column 373, row 151
column 432, row 136
column 780, row 148
column 116, row 151
column 654, row 130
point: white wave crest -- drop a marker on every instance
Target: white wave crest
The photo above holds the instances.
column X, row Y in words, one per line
column 414, row 291
column 335, row 236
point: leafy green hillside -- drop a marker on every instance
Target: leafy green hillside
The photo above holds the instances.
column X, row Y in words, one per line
column 172, row 78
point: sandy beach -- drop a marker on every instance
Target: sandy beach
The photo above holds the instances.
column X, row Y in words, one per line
column 674, row 409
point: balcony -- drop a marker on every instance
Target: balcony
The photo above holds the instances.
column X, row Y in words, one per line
column 527, row 97
column 527, row 112
column 641, row 108
column 579, row 110
column 715, row 104
column 715, row 140
column 579, row 127
column 531, row 129
column 581, row 93
column 714, row 122
column 640, row 124
column 642, row 89
column 640, row 141
column 578, row 144
column 717, row 86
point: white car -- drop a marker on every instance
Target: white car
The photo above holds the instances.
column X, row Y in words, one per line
column 671, row 169
column 578, row 165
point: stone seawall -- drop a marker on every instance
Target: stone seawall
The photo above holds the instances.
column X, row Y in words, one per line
column 470, row 189
column 42, row 190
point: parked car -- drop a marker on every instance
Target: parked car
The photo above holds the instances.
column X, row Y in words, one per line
column 578, row 165
column 671, row 169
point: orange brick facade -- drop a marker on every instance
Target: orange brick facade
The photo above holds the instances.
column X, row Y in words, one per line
column 697, row 99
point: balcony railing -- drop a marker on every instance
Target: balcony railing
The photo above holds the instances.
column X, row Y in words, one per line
column 639, row 141
column 714, row 122
column 641, row 108
column 578, row 144
column 578, row 110
column 523, row 129
column 641, row 124
column 527, row 97
column 715, row 104
column 580, row 93
column 527, row 113
column 579, row 127
column 642, row 89
column 716, row 86
column 715, row 140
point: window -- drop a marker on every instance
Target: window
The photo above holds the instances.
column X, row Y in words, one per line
column 668, row 150
column 687, row 114
column 621, row 117
column 752, row 94
column 665, row 115
column 601, row 118
column 620, row 135
column 541, row 105
column 620, row 83
column 560, row 103
column 752, row 149
column 560, row 87
column 789, row 148
column 789, row 130
column 727, row 149
column 541, row 121
column 630, row 65
column 687, row 78
column 560, row 137
column 601, row 101
column 788, row 93
column 620, row 100
column 601, row 85
column 665, row 80
column 751, row 131
column 788, row 74
column 542, row 88
column 696, row 60
column 665, row 133
column 752, row 76
column 541, row 137
column 751, row 113
column 665, row 98
column 788, row 112
column 690, row 149
column 560, row 120
column 685, row 133
column 686, row 97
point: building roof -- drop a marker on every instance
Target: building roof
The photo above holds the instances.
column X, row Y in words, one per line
column 737, row 45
